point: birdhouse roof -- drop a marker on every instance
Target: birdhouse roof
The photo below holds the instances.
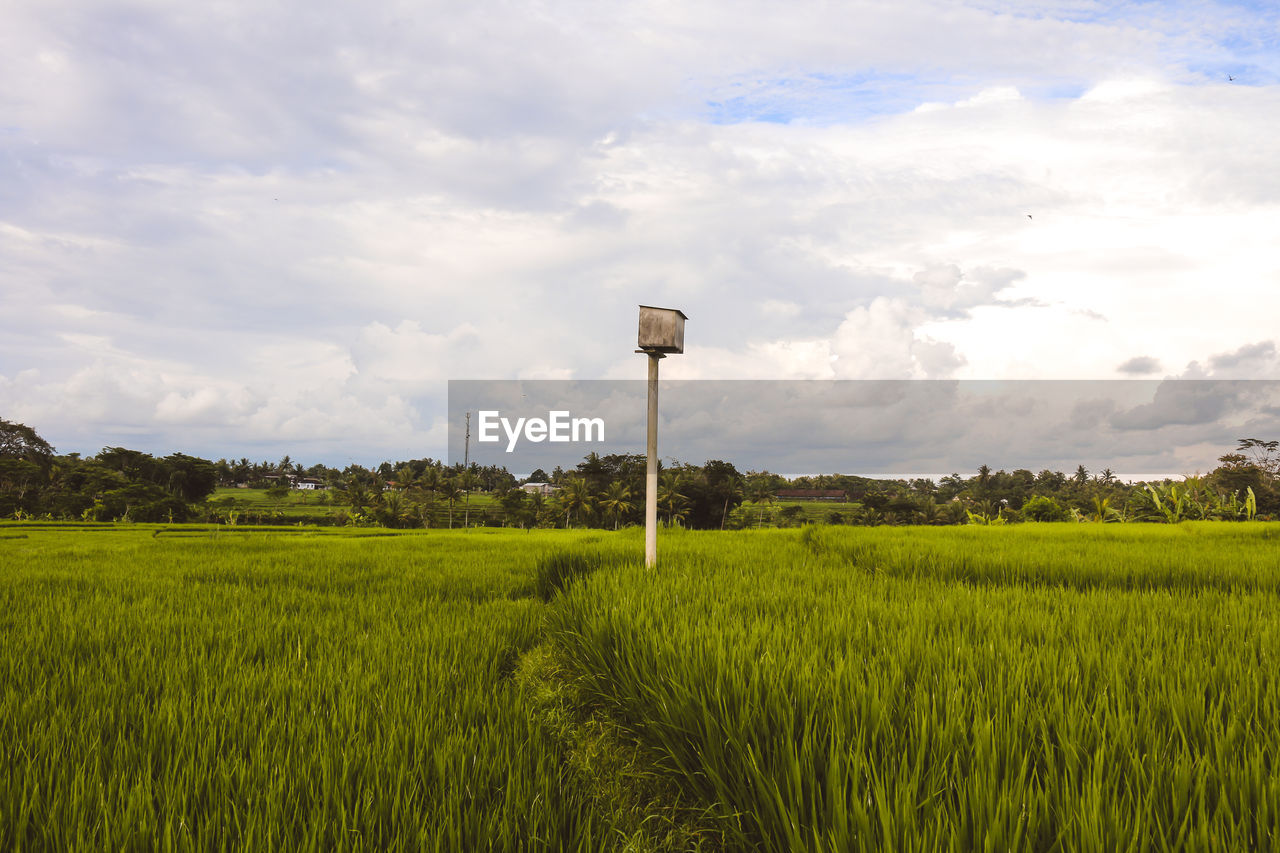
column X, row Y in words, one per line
column 673, row 310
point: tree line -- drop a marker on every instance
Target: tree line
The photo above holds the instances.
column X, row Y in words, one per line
column 115, row 485
column 119, row 484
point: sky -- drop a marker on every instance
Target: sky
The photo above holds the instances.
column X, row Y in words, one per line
column 251, row 229
column 1139, row 429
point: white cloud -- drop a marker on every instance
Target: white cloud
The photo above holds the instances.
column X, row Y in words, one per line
column 880, row 341
column 994, row 95
column 408, row 357
column 273, row 225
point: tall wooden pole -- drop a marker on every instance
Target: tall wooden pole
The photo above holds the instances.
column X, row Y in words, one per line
column 661, row 331
column 651, row 468
column 466, row 477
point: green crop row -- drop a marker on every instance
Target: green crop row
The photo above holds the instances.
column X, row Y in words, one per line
column 1040, row 687
column 859, row 693
column 203, row 690
column 1188, row 556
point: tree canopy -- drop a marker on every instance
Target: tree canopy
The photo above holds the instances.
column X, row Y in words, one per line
column 118, row 483
column 19, row 441
column 124, row 484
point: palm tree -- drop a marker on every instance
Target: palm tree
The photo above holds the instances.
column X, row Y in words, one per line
column 669, row 497
column 356, row 495
column 761, row 493
column 617, row 500
column 983, row 479
column 393, row 508
column 533, row 513
column 424, row 506
column 575, row 498
column 450, row 491
column 930, row 512
column 730, row 488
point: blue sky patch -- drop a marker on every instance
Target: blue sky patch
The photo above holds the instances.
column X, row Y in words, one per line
column 819, row 98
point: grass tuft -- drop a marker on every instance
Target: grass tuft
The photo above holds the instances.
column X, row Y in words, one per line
column 639, row 806
column 556, row 571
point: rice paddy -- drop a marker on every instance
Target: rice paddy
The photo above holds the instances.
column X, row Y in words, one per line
column 1039, row 687
column 268, row 691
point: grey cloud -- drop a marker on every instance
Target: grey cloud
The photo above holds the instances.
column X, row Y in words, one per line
column 1184, row 402
column 1140, row 365
column 1251, row 361
column 1087, row 414
column 879, row 426
column 1263, row 350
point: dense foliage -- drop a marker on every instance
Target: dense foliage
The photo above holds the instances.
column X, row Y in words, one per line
column 604, row 492
column 116, row 485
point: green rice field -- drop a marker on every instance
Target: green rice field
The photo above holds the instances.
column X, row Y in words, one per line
column 1031, row 687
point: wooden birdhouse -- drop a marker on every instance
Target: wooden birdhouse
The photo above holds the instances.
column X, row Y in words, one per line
column 661, row 329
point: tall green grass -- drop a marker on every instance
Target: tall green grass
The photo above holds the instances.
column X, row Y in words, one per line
column 1091, row 695
column 1189, row 556
column 209, row 691
column 1044, row 687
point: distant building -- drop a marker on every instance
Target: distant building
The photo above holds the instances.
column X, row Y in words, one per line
column 832, row 495
column 544, row 489
column 308, row 483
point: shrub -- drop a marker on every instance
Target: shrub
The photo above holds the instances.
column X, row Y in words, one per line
column 1041, row 508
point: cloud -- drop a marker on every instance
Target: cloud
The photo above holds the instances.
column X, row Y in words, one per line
column 882, row 341
column 994, row 95
column 1185, row 402
column 1140, row 365
column 1135, row 427
column 946, row 288
column 1258, row 360
column 409, row 358
column 251, row 224
column 1263, row 352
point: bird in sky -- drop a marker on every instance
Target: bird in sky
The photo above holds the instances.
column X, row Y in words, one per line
column 1028, row 216
column 1230, row 79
